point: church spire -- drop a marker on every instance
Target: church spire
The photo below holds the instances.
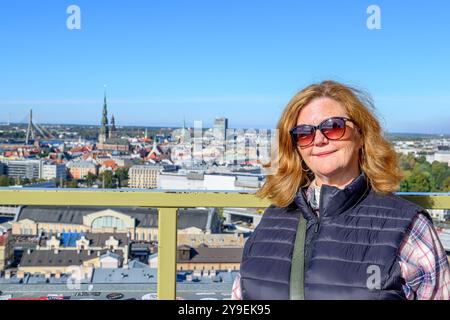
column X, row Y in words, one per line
column 104, row 130
column 113, row 130
column 105, row 112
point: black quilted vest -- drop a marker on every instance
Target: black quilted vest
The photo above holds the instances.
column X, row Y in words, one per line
column 351, row 250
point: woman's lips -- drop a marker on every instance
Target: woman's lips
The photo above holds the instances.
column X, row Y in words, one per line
column 324, row 154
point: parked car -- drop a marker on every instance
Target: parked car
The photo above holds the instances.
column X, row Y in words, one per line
column 114, row 296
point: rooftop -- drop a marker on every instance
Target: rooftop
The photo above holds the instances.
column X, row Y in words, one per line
column 145, row 217
column 56, row 258
column 205, row 254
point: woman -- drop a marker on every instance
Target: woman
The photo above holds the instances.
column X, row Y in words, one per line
column 335, row 229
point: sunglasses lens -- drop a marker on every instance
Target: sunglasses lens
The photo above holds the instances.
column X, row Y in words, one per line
column 333, row 128
column 303, row 135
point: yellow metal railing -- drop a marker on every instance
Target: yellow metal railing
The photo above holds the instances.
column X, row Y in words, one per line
column 167, row 204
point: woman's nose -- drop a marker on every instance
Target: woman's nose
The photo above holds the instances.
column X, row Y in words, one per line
column 320, row 139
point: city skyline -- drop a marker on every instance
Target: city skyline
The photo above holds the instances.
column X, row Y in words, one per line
column 209, row 124
column 163, row 61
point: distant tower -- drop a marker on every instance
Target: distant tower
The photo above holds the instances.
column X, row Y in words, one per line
column 104, row 130
column 220, row 129
column 30, row 130
column 113, row 130
column 155, row 149
column 183, row 131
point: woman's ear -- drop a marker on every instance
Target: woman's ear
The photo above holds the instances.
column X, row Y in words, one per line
column 361, row 138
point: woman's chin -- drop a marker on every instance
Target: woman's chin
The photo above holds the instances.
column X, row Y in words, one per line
column 326, row 171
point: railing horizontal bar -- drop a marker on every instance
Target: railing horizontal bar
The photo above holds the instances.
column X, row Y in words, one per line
column 167, row 199
column 141, row 199
column 163, row 199
column 429, row 201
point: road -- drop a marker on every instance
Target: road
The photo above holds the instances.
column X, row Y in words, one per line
column 187, row 291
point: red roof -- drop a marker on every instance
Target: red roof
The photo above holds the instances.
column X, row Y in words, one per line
column 110, row 164
column 80, row 149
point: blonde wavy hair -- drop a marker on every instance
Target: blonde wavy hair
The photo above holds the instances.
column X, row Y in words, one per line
column 377, row 158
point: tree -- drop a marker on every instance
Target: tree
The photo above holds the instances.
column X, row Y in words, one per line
column 90, row 179
column 422, row 159
column 446, row 185
column 72, row 183
column 43, row 154
column 4, row 181
column 420, row 175
column 121, row 175
column 422, row 167
column 107, row 180
column 439, row 172
column 419, row 182
column 404, row 186
column 406, row 162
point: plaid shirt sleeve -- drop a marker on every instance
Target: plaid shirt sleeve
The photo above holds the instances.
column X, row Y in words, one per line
column 423, row 263
column 236, row 291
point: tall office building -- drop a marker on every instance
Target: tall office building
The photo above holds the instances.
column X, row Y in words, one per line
column 220, row 129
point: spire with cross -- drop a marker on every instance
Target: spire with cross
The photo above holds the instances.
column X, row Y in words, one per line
column 104, row 130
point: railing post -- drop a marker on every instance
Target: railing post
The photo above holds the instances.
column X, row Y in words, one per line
column 167, row 253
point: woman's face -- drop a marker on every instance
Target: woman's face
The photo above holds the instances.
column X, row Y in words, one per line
column 332, row 161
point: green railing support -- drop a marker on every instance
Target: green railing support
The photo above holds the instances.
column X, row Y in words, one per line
column 167, row 253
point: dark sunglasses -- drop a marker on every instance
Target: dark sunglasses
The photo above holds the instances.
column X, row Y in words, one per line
column 332, row 128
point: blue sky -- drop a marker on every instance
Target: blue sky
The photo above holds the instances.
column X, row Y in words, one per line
column 163, row 60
